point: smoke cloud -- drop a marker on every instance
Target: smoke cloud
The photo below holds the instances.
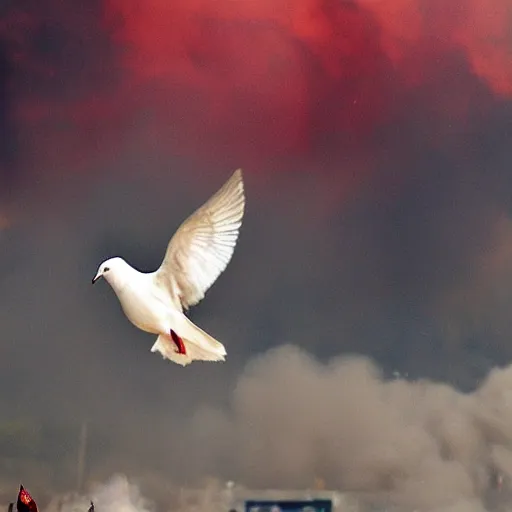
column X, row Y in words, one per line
column 420, row 444
column 117, row 494
column 292, row 419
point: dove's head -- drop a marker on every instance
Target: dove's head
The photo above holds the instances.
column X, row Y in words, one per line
column 114, row 270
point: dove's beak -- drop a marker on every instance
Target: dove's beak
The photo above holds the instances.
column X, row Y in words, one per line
column 96, row 277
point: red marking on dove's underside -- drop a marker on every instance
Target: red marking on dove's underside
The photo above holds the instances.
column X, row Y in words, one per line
column 179, row 343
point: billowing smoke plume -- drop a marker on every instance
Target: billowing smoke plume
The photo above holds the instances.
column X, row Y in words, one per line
column 117, row 494
column 420, row 445
column 291, row 420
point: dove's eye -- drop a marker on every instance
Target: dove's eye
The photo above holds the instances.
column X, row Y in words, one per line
column 106, row 269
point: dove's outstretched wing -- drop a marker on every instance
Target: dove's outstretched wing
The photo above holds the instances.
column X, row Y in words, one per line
column 203, row 245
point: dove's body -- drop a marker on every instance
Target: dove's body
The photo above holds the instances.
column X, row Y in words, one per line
column 197, row 254
column 144, row 303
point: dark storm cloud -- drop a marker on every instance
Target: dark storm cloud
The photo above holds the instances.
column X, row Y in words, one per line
column 56, row 68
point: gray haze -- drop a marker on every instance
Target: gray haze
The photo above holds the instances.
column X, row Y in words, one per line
column 331, row 282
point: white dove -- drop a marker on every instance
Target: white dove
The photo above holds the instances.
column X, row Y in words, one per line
column 197, row 254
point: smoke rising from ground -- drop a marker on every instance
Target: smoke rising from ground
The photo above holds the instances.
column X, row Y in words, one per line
column 422, row 444
column 117, row 494
column 411, row 444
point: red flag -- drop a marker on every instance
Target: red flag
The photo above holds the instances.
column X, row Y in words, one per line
column 25, row 502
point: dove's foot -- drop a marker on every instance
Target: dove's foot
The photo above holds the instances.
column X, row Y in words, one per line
column 180, row 346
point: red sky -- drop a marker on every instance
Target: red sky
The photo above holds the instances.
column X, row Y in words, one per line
column 260, row 83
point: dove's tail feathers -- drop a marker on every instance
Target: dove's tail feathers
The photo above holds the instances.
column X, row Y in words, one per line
column 198, row 345
column 194, row 334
